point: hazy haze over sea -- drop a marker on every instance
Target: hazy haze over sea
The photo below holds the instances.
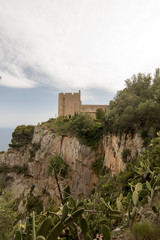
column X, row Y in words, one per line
column 5, row 138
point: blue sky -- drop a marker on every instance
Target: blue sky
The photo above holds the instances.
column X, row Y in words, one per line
column 56, row 46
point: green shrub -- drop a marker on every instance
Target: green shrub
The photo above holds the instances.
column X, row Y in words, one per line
column 86, row 130
column 136, row 107
column 1, row 152
column 33, row 150
column 4, row 168
column 100, row 114
column 8, row 216
column 21, row 136
column 97, row 166
column 59, row 125
column 152, row 153
column 57, row 164
column 82, row 126
column 16, row 168
column 126, row 154
column 34, row 203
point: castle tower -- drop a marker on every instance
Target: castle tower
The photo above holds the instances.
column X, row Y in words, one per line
column 69, row 103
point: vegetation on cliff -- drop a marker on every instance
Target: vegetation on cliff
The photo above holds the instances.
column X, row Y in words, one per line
column 122, row 207
column 136, row 107
column 126, row 206
column 8, row 216
column 21, row 136
column 82, row 126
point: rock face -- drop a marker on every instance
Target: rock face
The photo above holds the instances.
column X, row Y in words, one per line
column 80, row 177
column 28, row 165
column 115, row 149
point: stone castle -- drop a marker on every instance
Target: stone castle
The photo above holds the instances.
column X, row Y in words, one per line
column 70, row 104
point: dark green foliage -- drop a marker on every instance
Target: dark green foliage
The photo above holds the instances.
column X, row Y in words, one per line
column 18, row 235
column 106, row 233
column 8, row 216
column 33, row 150
column 100, row 114
column 153, row 152
column 57, row 164
column 136, row 108
column 48, row 226
column 4, row 168
column 66, row 193
column 84, row 226
column 1, row 152
column 86, row 130
column 64, row 212
column 58, row 125
column 16, row 168
column 34, row 203
column 98, row 167
column 56, row 231
column 21, row 136
column 119, row 183
column 116, row 202
column 126, row 154
column 20, row 169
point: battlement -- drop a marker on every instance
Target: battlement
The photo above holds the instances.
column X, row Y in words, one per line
column 70, row 104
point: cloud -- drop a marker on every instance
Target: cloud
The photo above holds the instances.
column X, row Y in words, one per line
column 77, row 44
column 9, row 80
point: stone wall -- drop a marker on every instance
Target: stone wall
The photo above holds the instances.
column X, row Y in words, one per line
column 91, row 109
column 69, row 104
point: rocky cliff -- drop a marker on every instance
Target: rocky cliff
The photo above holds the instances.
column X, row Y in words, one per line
column 118, row 151
column 24, row 170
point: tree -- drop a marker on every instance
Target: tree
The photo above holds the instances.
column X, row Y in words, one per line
column 22, row 135
column 59, row 168
column 136, row 107
column 100, row 114
column 152, row 153
column 86, row 130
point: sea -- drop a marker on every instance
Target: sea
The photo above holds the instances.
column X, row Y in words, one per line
column 5, row 138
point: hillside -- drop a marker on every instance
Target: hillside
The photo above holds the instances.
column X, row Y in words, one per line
column 85, row 178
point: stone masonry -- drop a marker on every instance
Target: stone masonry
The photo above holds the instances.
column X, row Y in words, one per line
column 70, row 104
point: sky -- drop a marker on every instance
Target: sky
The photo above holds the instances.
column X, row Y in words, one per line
column 53, row 46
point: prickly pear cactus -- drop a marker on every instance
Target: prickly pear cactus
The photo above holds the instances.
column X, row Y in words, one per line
column 45, row 227
column 106, row 232
column 18, row 236
column 64, row 212
column 135, row 198
column 40, row 238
